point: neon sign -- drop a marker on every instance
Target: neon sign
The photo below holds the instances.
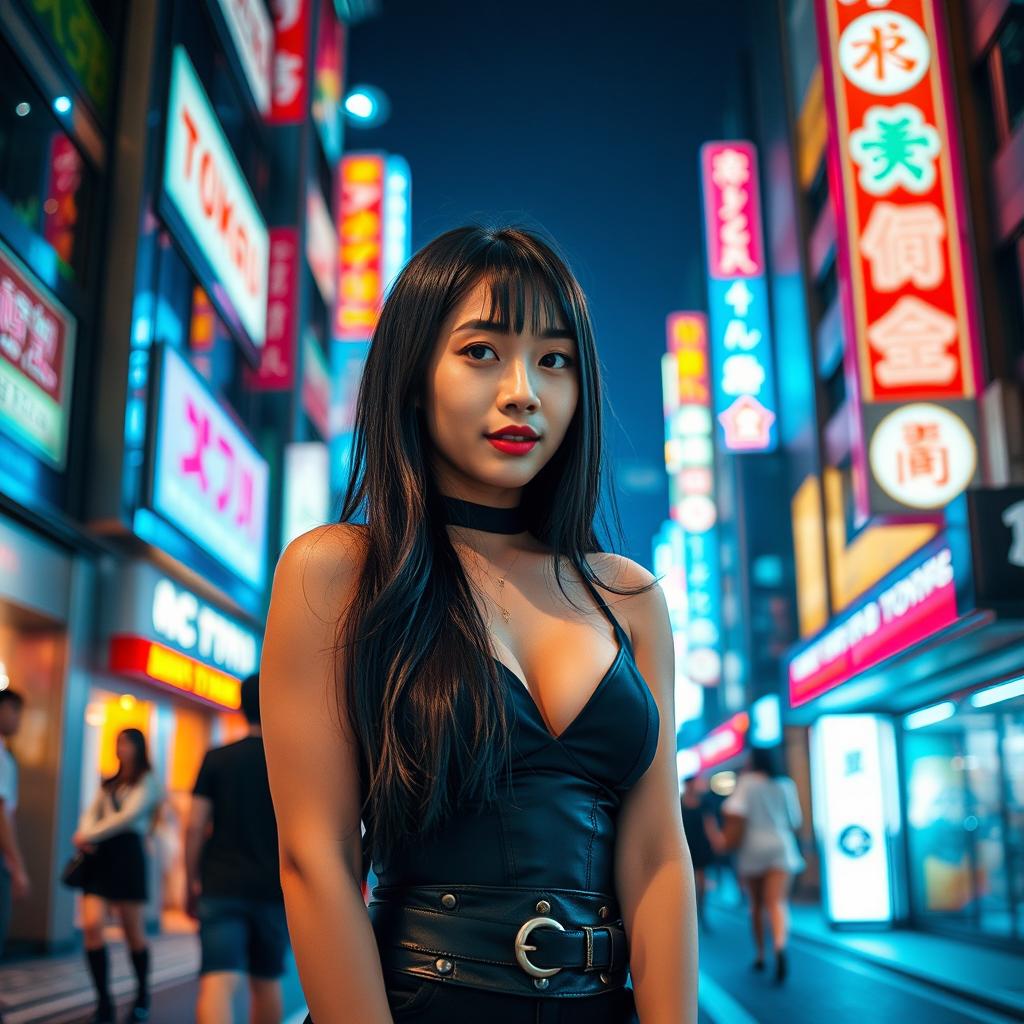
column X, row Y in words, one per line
column 207, row 190
column 908, row 608
column 209, row 480
column 901, row 214
column 361, row 245
column 276, row 371
column 144, row 659
column 252, row 32
column 738, row 297
column 689, row 460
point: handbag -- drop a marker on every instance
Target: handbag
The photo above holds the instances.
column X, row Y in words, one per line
column 78, row 870
column 732, row 831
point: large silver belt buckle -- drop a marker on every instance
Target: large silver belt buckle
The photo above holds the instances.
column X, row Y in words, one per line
column 522, row 948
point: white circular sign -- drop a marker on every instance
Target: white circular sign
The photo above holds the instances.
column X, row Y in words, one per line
column 923, row 455
column 696, row 513
column 704, row 666
column 884, row 53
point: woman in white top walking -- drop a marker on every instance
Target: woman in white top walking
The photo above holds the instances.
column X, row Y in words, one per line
column 766, row 803
column 112, row 831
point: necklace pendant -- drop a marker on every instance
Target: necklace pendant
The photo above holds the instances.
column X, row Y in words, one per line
column 506, row 614
column 501, row 582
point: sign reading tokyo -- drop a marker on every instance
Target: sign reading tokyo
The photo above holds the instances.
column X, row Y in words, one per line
column 225, row 234
column 37, row 345
column 252, row 32
column 738, row 297
column 917, row 603
column 208, row 478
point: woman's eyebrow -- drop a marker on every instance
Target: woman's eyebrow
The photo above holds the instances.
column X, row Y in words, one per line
column 496, row 328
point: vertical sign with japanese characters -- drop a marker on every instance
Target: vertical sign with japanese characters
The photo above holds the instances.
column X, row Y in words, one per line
column 37, row 345
column 744, row 390
column 290, row 93
column 689, row 460
column 276, row 371
column 909, row 305
column 208, row 479
column 360, row 245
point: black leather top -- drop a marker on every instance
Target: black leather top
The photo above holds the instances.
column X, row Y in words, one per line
column 558, row 830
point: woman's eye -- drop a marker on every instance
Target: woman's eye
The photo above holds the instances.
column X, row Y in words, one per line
column 474, row 351
column 566, row 360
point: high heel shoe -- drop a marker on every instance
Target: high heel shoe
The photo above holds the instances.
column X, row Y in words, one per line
column 781, row 966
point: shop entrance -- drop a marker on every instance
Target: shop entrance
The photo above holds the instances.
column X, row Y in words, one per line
column 965, row 822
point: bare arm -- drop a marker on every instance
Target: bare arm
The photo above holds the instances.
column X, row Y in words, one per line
column 313, row 767
column 653, row 870
column 200, row 816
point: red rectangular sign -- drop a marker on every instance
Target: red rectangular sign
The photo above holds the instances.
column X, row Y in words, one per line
column 895, row 177
column 732, row 210
column 276, row 371
column 360, row 246
column 290, row 92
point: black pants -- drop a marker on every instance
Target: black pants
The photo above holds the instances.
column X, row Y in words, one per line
column 436, row 1002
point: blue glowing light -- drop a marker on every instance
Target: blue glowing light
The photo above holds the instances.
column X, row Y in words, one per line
column 62, row 105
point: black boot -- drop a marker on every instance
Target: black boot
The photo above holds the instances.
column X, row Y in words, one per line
column 97, row 960
column 140, row 961
column 781, row 967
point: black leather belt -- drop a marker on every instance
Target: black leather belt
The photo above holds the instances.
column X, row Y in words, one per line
column 519, row 941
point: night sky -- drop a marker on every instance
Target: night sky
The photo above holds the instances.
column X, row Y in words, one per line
column 583, row 121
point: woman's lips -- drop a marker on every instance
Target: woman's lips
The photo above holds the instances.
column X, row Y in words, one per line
column 513, row 447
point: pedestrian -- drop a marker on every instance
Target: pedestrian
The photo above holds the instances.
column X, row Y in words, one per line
column 14, row 881
column 761, row 818
column 233, row 877
column 450, row 672
column 702, row 836
column 113, row 829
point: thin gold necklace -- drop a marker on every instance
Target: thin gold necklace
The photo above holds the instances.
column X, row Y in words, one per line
column 500, row 583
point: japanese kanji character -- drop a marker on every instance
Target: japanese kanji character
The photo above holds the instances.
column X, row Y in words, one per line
column 924, row 456
column 37, row 359
column 913, row 337
column 884, row 53
column 193, row 462
column 244, row 516
column 742, row 375
column 895, row 148
column 277, row 319
column 360, row 286
column 730, row 168
column 363, row 224
column 904, row 244
column 15, row 310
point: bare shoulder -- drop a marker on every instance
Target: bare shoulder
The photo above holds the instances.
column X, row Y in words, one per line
column 641, row 611
column 322, row 565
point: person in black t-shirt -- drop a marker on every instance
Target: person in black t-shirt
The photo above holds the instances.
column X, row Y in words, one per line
column 233, row 877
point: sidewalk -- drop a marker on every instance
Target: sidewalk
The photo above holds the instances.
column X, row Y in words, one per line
column 55, row 989
column 989, row 977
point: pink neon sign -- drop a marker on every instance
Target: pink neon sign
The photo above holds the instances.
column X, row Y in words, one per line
column 912, row 608
column 732, row 210
column 724, row 742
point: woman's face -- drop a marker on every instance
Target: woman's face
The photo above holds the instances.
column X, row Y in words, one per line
column 125, row 751
column 482, row 381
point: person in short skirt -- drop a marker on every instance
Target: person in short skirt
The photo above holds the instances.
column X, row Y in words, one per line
column 113, row 829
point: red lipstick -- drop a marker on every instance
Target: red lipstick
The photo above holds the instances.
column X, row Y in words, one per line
column 514, row 440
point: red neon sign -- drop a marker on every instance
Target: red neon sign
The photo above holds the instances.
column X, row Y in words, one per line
column 724, row 742
column 360, row 246
column 898, row 192
column 732, row 210
column 152, row 662
column 913, row 607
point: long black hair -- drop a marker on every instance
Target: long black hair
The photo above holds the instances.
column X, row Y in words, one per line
column 422, row 693
column 141, row 764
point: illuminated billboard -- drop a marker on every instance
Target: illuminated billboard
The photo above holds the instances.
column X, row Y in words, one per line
column 744, row 375
column 908, row 304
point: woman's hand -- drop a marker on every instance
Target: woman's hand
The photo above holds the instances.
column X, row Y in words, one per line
column 82, row 843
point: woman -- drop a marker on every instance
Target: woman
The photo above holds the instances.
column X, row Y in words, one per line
column 112, row 829
column 702, row 836
column 451, row 674
column 766, row 803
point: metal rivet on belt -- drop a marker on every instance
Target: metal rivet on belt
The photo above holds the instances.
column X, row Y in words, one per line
column 543, row 907
column 541, row 983
column 448, row 900
column 603, row 913
column 443, row 966
column 604, row 978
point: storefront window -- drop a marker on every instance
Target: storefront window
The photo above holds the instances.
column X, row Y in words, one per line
column 964, row 822
column 44, row 180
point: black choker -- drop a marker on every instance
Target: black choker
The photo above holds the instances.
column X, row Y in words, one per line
column 483, row 517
